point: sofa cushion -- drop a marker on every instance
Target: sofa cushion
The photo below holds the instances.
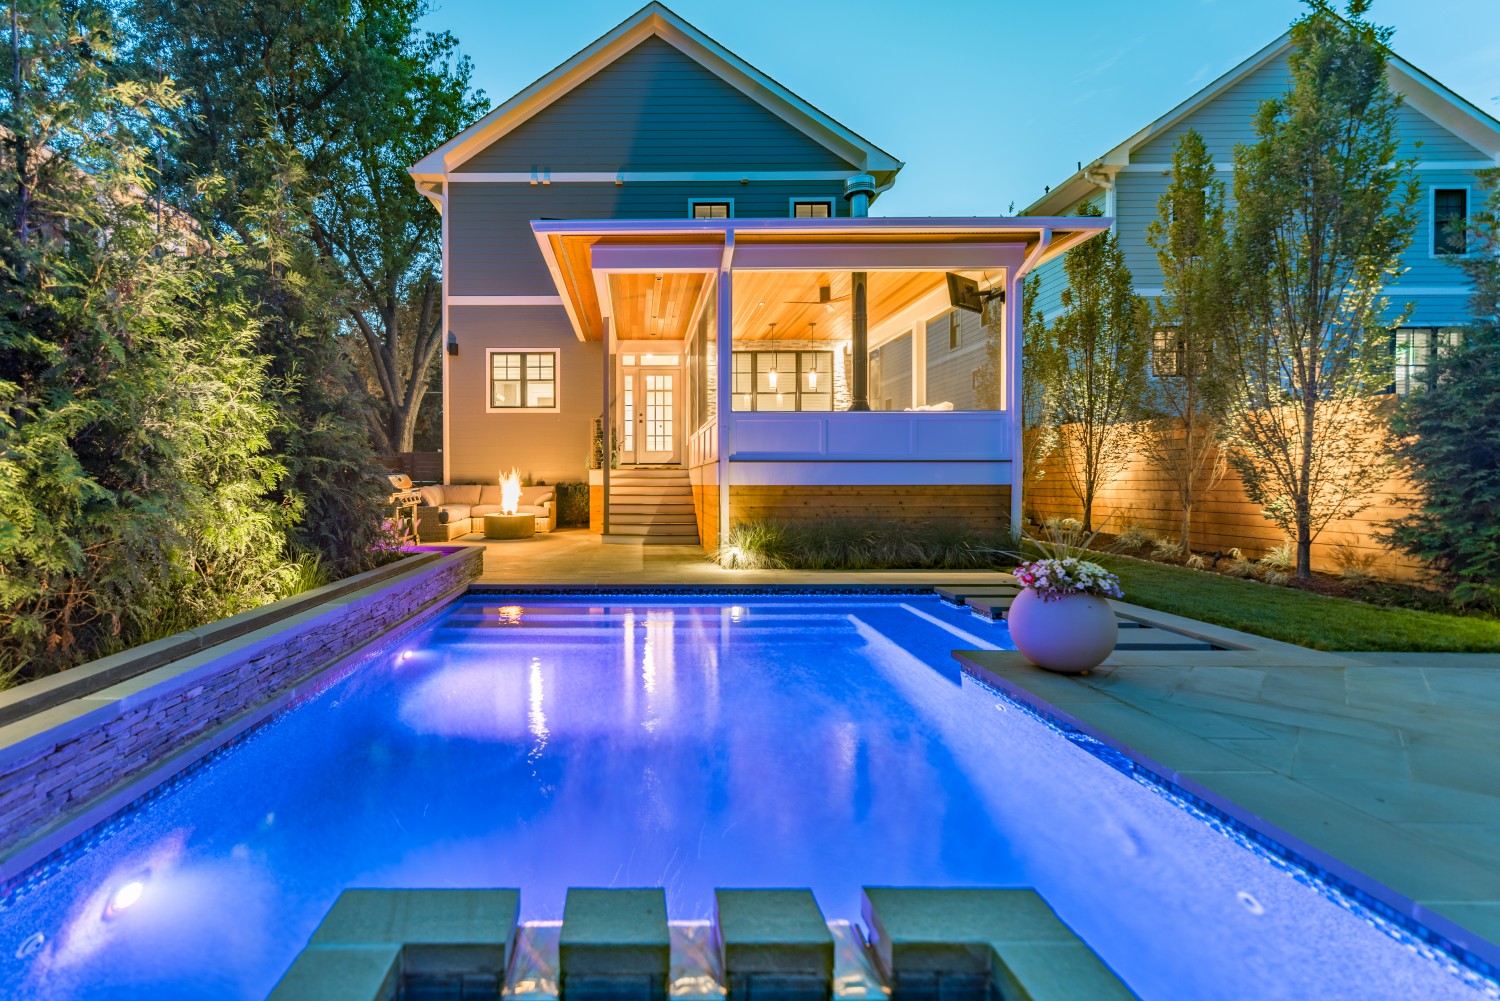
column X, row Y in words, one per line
column 536, row 495
column 480, row 510
column 432, row 496
column 490, row 493
column 536, row 509
column 449, row 513
column 461, row 493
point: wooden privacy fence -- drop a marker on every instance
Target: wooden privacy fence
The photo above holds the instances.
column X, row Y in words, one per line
column 423, row 467
column 1224, row 517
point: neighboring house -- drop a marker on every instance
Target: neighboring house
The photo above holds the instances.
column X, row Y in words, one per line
column 656, row 227
column 1448, row 137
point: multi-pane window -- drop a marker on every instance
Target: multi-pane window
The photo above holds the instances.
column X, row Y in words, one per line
column 702, row 208
column 812, row 208
column 1166, row 353
column 1415, row 349
column 523, row 380
column 782, row 380
column 1450, row 220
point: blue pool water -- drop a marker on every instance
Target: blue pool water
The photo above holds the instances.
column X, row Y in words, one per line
column 824, row 741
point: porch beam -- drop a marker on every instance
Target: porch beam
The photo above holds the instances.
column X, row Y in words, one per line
column 878, row 256
column 648, row 258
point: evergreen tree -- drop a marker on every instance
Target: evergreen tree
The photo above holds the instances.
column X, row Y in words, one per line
column 1323, row 212
column 1094, row 357
column 1189, row 238
column 1448, row 437
column 134, row 471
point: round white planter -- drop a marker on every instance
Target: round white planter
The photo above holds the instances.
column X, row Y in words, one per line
column 1069, row 635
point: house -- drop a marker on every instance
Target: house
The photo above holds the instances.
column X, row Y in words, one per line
column 1447, row 137
column 659, row 254
column 1449, row 140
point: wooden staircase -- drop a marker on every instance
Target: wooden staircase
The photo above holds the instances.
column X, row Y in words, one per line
column 650, row 505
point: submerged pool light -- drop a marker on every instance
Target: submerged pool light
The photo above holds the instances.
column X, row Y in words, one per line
column 125, row 897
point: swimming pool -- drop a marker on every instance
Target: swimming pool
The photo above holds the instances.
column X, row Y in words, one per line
column 690, row 742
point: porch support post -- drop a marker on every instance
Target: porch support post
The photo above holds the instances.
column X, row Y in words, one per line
column 919, row 364
column 606, row 432
column 725, row 324
column 1010, row 338
column 859, row 347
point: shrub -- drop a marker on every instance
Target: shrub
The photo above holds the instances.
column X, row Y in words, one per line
column 1280, row 558
column 572, row 504
column 1133, row 539
column 858, row 544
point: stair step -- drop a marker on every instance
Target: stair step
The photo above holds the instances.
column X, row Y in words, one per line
column 683, row 523
column 631, row 513
column 652, row 540
column 652, row 493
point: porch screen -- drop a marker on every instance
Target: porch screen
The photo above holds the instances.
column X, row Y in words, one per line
column 783, row 380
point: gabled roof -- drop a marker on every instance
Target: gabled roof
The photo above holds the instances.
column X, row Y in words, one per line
column 655, row 19
column 1421, row 92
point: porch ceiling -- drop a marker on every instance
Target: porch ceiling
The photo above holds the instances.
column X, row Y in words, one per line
column 782, row 263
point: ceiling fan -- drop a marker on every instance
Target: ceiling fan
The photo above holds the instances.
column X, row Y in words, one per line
column 825, row 298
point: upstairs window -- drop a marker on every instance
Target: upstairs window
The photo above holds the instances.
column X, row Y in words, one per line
column 1415, row 348
column 523, row 380
column 711, row 208
column 955, row 331
column 812, row 208
column 1450, row 221
column 1166, row 353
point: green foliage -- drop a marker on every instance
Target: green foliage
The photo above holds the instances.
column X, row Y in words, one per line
column 1093, row 359
column 136, row 480
column 1449, row 438
column 572, row 504
column 1323, row 211
column 1180, row 400
column 855, row 544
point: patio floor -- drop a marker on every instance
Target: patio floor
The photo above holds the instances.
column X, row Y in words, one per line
column 1388, row 762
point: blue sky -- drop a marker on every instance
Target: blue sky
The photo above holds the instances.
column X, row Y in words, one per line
column 985, row 100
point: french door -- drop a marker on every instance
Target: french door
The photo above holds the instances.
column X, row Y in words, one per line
column 650, row 398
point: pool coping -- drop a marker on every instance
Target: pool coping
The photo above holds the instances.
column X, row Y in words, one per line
column 1462, row 945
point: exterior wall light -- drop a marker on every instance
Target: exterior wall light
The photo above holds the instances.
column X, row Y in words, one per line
column 452, row 343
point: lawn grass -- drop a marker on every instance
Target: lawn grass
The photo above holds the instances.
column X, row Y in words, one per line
column 1301, row 617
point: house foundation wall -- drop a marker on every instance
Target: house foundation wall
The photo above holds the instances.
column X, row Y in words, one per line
column 977, row 507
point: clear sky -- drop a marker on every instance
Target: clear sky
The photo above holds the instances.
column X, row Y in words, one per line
column 985, row 100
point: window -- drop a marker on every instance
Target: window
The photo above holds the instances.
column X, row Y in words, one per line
column 1414, row 348
column 783, row 380
column 1166, row 353
column 710, row 208
column 1450, row 220
column 523, row 380
column 955, row 331
column 812, row 208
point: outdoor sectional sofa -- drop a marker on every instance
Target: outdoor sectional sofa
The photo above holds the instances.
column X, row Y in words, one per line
column 451, row 510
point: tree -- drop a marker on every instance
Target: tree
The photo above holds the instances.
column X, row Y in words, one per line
column 1189, row 238
column 1095, row 357
column 135, row 477
column 1448, row 437
column 312, row 112
column 1323, row 213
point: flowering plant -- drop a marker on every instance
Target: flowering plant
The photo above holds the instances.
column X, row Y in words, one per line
column 1054, row 578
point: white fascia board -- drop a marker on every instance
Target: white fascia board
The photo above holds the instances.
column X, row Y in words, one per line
column 1434, row 101
column 642, row 176
column 655, row 19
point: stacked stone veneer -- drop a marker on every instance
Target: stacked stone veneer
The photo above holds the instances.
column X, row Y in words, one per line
column 57, row 764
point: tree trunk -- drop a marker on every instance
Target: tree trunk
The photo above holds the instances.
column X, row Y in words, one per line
column 1088, row 511
column 1304, row 549
column 1187, row 526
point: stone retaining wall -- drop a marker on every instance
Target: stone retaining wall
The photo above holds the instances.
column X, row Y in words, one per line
column 57, row 763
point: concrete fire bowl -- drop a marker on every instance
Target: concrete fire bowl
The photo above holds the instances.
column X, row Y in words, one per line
column 509, row 526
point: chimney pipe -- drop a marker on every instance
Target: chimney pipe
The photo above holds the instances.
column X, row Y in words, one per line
column 859, row 346
column 858, row 190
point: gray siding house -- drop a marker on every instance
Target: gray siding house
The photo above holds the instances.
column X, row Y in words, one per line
column 1448, row 137
column 656, row 229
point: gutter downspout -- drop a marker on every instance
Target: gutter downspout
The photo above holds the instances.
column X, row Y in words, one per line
column 1014, row 335
column 725, row 375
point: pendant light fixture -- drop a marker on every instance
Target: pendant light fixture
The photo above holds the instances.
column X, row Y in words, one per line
column 812, row 373
column 771, row 376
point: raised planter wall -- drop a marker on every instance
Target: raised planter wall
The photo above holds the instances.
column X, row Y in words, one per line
column 61, row 766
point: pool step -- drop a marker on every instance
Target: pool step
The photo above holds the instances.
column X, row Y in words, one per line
column 993, row 602
column 617, row 945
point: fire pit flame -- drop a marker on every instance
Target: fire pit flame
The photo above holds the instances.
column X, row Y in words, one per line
column 510, row 491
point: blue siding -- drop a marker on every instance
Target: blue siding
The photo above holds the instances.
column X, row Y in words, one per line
column 890, row 374
column 951, row 371
column 655, row 108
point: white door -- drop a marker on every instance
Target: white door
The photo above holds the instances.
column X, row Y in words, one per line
column 655, row 406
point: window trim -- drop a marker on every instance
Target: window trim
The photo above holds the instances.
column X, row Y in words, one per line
column 792, row 203
column 489, row 380
column 1175, row 349
column 693, row 204
column 1432, row 219
column 797, row 389
column 955, row 330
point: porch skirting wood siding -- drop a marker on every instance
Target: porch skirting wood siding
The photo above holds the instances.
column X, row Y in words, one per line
column 980, row 507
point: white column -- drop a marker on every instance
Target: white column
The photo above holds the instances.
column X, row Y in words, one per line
column 1010, row 340
column 919, row 364
column 726, row 386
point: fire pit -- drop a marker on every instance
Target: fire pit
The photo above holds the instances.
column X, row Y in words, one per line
column 509, row 524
